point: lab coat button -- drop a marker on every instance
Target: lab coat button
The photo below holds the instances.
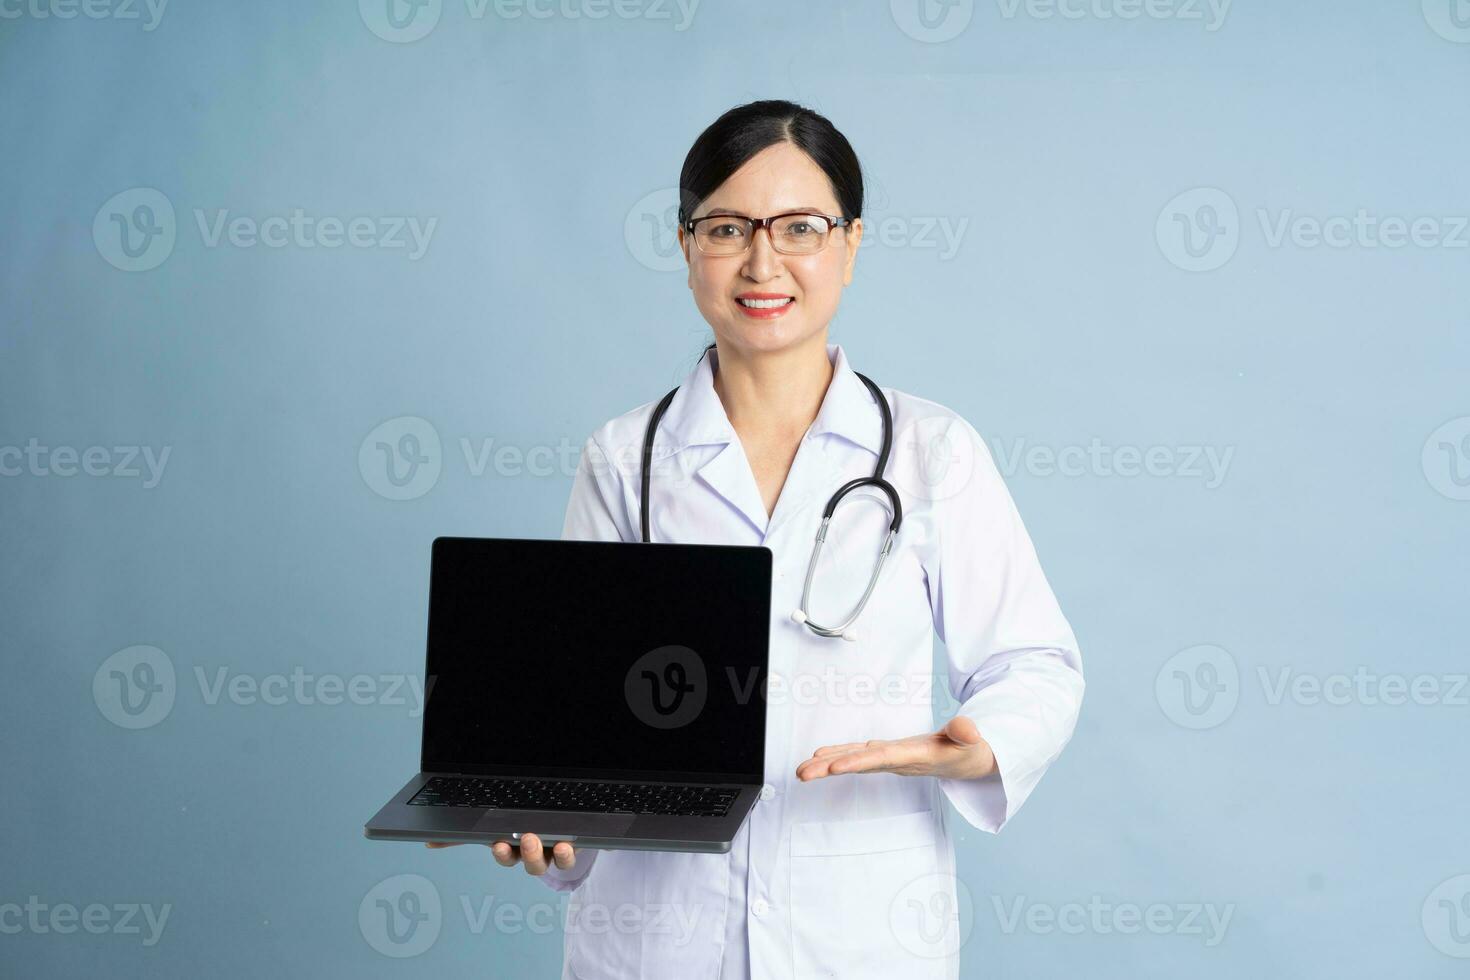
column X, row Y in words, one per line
column 767, row 791
column 760, row 906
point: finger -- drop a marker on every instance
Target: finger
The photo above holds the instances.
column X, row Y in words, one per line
column 505, row 855
column 817, row 768
column 564, row 855
column 854, row 762
column 835, row 749
column 820, row 762
column 905, row 757
column 962, row 729
column 532, row 854
column 864, row 760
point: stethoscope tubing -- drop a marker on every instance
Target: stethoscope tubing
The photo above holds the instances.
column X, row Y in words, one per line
column 845, row 630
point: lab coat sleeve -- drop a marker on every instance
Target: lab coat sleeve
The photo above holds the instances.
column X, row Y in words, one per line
column 1012, row 660
column 591, row 516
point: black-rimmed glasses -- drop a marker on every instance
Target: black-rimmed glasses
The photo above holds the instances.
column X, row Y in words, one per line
column 791, row 233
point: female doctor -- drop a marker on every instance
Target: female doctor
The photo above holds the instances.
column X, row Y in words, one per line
column 845, row 867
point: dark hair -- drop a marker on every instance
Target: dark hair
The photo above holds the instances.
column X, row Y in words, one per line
column 742, row 132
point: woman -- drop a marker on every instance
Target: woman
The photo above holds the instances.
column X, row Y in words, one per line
column 845, row 867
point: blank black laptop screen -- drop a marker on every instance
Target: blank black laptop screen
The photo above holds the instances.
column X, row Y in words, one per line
column 582, row 658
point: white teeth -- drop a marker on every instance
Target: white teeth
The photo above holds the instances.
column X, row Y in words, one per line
column 764, row 304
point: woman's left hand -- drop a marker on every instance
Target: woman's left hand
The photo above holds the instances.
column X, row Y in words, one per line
column 956, row 751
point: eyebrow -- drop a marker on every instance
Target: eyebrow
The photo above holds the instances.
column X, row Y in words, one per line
column 807, row 208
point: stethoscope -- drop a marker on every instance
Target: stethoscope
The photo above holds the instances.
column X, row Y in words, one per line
column 844, row 630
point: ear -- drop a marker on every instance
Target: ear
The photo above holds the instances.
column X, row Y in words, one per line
column 684, row 247
column 853, row 234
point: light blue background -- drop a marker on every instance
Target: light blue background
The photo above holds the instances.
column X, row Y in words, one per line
column 1329, row 545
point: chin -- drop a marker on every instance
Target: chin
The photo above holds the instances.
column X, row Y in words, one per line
column 769, row 337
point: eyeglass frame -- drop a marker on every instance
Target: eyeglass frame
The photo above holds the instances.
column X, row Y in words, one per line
column 756, row 224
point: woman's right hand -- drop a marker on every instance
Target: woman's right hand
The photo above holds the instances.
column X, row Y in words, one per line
column 530, row 852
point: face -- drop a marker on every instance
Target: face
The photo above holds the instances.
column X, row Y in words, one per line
column 779, row 178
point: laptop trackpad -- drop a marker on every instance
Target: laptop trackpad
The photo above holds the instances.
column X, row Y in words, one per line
column 556, row 822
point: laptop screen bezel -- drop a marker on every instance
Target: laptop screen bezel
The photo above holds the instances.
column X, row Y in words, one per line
column 762, row 558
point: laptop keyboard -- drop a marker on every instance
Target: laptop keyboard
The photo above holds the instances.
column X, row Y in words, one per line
column 588, row 797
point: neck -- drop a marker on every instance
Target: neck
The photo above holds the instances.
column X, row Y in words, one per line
column 776, row 393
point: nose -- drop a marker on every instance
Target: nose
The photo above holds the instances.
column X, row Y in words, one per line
column 762, row 261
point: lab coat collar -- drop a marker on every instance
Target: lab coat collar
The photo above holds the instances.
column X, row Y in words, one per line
column 696, row 416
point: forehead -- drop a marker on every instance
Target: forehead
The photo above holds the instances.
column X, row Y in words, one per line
column 779, row 178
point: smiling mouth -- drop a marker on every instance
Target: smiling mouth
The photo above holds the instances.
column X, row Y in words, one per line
column 766, row 304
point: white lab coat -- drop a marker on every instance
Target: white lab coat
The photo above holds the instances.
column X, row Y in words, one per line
column 851, row 875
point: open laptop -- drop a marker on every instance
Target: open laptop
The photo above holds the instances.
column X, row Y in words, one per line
column 611, row 694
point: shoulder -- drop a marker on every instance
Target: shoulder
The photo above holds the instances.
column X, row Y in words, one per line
column 626, row 429
column 938, row 455
column 913, row 415
column 619, row 440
